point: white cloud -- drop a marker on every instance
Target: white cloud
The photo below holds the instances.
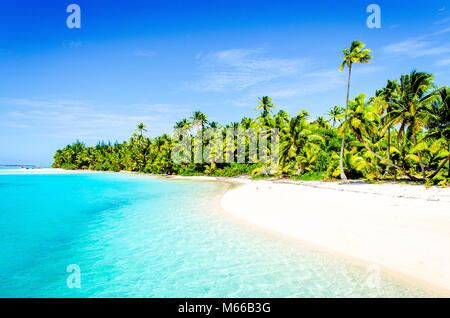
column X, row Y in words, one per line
column 311, row 83
column 443, row 21
column 420, row 46
column 416, row 48
column 238, row 69
column 166, row 108
column 443, row 62
column 146, row 53
column 306, row 84
column 42, row 103
column 86, row 120
column 246, row 74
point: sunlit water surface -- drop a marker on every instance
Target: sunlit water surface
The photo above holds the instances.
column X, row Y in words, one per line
column 140, row 236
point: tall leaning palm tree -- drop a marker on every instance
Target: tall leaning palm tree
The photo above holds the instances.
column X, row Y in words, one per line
column 356, row 54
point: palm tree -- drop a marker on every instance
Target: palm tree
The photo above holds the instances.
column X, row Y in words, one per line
column 265, row 103
column 303, row 114
column 281, row 119
column 321, row 122
column 413, row 100
column 335, row 114
column 183, row 124
column 362, row 119
column 200, row 118
column 355, row 54
column 295, row 139
column 140, row 128
column 214, row 124
column 439, row 126
column 234, row 125
column 387, row 95
column 246, row 122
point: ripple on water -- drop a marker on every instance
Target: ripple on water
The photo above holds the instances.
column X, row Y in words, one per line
column 137, row 236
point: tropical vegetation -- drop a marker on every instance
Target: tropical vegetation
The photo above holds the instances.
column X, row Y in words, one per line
column 401, row 133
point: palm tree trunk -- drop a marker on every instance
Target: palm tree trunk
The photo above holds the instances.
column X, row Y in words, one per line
column 440, row 167
column 448, row 172
column 341, row 157
column 400, row 133
column 341, row 161
column 389, row 144
column 419, row 155
column 388, row 148
column 361, row 140
column 348, row 84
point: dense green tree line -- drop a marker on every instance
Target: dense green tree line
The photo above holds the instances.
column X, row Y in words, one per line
column 402, row 132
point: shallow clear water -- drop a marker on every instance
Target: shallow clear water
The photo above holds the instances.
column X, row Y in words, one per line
column 20, row 167
column 139, row 236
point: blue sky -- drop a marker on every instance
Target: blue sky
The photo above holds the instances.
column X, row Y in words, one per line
column 158, row 61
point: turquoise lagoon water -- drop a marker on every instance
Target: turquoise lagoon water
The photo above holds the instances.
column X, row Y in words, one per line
column 20, row 167
column 139, row 236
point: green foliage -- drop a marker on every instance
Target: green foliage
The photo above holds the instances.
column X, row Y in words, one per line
column 235, row 169
column 311, row 176
column 404, row 131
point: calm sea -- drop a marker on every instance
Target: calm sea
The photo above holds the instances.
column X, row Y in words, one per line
column 140, row 236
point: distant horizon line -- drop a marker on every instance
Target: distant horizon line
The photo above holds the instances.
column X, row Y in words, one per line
column 9, row 165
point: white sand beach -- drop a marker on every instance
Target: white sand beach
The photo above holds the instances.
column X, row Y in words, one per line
column 402, row 228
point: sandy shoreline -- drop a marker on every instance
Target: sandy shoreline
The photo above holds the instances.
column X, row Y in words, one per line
column 403, row 228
